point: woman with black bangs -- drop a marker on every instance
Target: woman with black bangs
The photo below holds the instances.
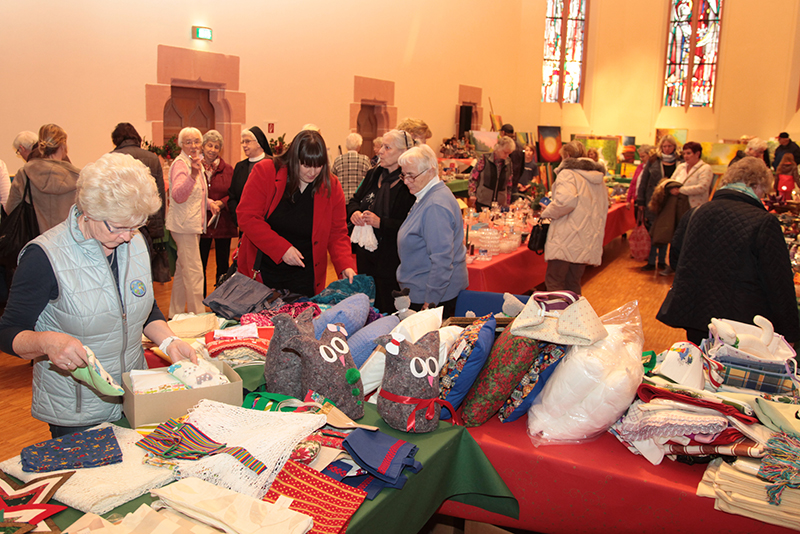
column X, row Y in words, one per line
column 292, row 213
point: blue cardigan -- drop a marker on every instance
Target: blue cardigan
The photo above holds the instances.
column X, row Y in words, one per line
column 431, row 246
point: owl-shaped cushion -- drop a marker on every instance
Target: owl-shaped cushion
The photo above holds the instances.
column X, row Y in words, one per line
column 412, row 370
column 327, row 367
column 283, row 369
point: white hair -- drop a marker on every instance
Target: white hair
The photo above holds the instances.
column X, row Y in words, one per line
column 420, row 158
column 353, row 141
column 187, row 132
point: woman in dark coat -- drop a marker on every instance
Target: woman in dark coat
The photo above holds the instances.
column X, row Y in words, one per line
column 222, row 228
column 383, row 201
column 661, row 164
column 732, row 261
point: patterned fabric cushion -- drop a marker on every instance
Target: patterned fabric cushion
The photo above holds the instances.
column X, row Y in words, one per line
column 511, row 357
column 465, row 361
column 532, row 382
column 351, row 312
column 362, row 343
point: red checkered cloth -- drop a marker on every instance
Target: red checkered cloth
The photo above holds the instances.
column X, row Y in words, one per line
column 330, row 503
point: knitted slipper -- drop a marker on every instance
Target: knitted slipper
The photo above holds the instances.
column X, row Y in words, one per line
column 96, row 377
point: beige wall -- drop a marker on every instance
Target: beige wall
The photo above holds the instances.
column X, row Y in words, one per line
column 84, row 64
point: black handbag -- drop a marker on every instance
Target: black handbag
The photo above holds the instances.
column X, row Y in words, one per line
column 160, row 263
column 538, row 237
column 19, row 227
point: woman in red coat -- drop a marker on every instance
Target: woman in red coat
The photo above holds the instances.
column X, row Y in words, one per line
column 293, row 211
column 221, row 228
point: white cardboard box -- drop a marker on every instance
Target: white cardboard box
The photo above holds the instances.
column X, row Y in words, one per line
column 159, row 407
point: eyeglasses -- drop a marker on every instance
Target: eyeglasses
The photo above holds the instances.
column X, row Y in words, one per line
column 117, row 231
column 193, row 142
column 408, row 177
column 249, row 141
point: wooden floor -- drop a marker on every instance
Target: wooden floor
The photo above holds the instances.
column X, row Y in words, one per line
column 607, row 287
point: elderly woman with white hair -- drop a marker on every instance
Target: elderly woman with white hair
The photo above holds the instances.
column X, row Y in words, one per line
column 86, row 284
column 351, row 167
column 757, row 148
column 382, row 202
column 24, row 144
column 222, row 229
column 433, row 258
column 187, row 220
column 493, row 177
column 731, row 260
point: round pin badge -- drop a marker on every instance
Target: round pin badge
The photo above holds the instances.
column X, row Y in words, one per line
column 138, row 288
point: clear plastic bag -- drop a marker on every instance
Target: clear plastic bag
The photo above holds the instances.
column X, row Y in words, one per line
column 593, row 385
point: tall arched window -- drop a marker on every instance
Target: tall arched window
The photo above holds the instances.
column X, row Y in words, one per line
column 692, row 49
column 564, row 31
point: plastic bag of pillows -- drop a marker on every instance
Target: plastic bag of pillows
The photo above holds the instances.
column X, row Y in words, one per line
column 593, row 385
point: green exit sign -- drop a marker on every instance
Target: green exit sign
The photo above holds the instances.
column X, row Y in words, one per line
column 199, row 32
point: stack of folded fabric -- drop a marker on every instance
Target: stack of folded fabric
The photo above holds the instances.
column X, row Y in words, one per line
column 737, row 490
column 670, row 419
column 378, row 461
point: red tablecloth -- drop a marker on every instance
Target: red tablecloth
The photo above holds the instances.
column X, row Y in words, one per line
column 598, row 486
column 620, row 220
column 522, row 269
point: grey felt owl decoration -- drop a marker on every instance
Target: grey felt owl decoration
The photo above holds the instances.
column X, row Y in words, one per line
column 410, row 384
column 282, row 370
column 328, row 368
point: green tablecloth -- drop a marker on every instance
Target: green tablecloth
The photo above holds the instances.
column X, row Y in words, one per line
column 454, row 468
column 458, row 186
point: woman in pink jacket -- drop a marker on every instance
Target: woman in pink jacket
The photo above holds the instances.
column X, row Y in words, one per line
column 292, row 214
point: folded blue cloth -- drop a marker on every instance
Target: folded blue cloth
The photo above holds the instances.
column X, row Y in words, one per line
column 90, row 448
column 381, row 455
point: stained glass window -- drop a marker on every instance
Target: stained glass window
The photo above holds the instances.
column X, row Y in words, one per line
column 692, row 47
column 563, row 50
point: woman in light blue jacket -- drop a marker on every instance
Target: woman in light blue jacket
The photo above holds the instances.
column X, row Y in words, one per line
column 431, row 240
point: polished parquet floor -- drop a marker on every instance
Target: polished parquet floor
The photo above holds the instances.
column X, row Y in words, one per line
column 607, row 287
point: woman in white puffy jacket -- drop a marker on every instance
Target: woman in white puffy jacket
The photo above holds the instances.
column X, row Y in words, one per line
column 578, row 219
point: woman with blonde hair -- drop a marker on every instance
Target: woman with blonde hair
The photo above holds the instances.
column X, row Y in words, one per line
column 52, row 179
column 85, row 285
column 187, row 221
column 661, row 165
column 578, row 214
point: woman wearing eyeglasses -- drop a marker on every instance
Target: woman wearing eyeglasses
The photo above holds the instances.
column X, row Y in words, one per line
column 86, row 282
column 186, row 221
column 433, row 262
column 382, row 202
column 292, row 215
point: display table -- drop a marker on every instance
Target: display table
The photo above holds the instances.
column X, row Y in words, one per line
column 458, row 186
column 598, row 486
column 454, row 467
column 523, row 270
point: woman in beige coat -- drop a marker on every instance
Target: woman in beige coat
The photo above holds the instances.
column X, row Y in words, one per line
column 53, row 179
column 578, row 219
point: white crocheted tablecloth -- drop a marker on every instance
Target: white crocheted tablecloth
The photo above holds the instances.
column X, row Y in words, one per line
column 268, row 436
column 101, row 489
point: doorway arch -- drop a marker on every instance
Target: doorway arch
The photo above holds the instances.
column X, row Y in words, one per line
column 218, row 73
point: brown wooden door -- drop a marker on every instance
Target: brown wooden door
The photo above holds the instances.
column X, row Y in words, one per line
column 188, row 107
column 367, row 127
